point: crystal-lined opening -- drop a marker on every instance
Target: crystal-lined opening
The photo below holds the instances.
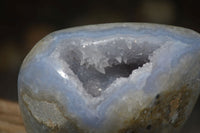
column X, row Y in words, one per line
column 98, row 66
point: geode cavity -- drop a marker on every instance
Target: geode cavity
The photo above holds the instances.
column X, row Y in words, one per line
column 111, row 78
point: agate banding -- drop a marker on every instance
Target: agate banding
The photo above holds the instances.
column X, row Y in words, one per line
column 111, row 78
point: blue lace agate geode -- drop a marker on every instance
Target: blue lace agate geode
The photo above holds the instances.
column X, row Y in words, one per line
column 111, row 78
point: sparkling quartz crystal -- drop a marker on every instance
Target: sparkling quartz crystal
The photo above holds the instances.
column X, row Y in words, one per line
column 111, row 78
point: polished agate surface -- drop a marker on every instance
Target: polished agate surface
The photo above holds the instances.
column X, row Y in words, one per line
column 111, row 78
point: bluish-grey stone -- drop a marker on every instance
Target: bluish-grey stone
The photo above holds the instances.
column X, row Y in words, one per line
column 111, row 78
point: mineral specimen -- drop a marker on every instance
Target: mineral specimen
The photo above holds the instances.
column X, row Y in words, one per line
column 111, row 78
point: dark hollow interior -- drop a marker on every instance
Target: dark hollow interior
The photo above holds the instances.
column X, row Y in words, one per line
column 95, row 82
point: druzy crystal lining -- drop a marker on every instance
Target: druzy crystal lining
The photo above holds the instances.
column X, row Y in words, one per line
column 97, row 64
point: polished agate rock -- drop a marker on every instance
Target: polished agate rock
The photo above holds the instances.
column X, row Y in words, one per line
column 111, row 78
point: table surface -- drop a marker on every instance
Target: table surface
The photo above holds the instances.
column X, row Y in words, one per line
column 10, row 118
